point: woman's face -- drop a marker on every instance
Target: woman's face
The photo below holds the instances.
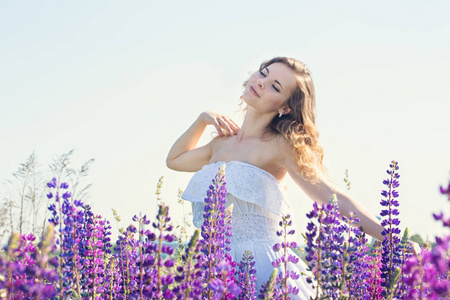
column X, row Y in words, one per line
column 268, row 90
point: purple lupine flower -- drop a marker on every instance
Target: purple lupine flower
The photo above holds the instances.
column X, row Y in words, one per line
column 27, row 272
column 324, row 253
column 404, row 252
column 391, row 252
column 445, row 191
column 216, row 231
column 287, row 257
column 374, row 265
column 126, row 253
column 94, row 273
column 352, row 272
column 45, row 275
column 332, row 242
column 157, row 280
column 428, row 275
column 52, row 183
column 67, row 195
column 223, row 288
column 83, row 243
column 357, row 284
column 269, row 289
column 313, row 247
column 441, row 217
column 57, row 219
column 143, row 221
column 64, row 185
column 70, row 219
column 190, row 271
column 246, row 276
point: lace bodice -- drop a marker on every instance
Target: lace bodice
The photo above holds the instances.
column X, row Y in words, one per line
column 258, row 199
column 245, row 181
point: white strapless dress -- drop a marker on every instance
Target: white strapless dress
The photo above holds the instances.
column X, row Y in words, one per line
column 259, row 202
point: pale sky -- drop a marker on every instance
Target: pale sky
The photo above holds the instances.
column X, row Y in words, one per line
column 121, row 81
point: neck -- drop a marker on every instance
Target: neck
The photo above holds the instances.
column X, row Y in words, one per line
column 255, row 124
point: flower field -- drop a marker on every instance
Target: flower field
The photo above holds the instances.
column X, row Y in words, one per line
column 76, row 259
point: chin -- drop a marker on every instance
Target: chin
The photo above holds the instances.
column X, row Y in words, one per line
column 247, row 96
column 245, row 100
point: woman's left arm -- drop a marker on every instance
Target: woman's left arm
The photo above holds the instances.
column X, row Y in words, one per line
column 322, row 191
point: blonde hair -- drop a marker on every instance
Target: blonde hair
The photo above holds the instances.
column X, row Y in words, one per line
column 299, row 126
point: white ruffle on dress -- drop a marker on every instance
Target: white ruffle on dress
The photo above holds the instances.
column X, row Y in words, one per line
column 259, row 203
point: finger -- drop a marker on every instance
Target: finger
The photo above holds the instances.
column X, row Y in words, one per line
column 218, row 128
column 236, row 125
column 233, row 125
column 225, row 125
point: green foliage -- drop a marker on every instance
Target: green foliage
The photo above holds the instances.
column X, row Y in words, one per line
column 418, row 239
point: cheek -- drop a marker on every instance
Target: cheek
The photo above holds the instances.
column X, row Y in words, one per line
column 276, row 99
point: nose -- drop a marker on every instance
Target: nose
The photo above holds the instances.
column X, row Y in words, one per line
column 260, row 83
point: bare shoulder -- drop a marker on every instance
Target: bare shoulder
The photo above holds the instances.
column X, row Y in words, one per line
column 217, row 142
column 281, row 152
column 283, row 147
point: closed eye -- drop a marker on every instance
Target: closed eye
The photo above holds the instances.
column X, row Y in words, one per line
column 272, row 84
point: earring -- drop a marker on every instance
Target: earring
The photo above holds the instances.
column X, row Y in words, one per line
column 279, row 116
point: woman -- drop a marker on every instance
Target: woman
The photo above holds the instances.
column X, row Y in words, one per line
column 278, row 137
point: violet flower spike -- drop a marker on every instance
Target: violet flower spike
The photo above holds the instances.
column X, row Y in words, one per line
column 390, row 257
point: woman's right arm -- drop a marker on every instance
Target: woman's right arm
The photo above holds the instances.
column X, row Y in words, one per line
column 183, row 156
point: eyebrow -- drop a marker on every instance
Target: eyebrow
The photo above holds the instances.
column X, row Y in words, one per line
column 275, row 79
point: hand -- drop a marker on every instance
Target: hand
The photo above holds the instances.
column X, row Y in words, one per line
column 415, row 249
column 220, row 121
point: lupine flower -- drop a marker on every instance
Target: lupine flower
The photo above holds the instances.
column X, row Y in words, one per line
column 269, row 289
column 429, row 273
column 354, row 273
column 374, row 288
column 246, row 276
column 440, row 216
column 142, row 222
column 52, row 183
column 28, row 273
column 287, row 257
column 144, row 267
column 84, row 242
column 323, row 251
column 405, row 251
column 157, row 281
column 126, row 254
column 216, row 231
column 223, row 288
column 390, row 245
column 445, row 191
column 94, row 272
column 190, row 272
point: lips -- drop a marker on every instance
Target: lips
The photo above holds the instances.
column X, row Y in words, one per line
column 252, row 90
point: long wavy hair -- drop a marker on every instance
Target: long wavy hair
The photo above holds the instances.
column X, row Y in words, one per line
column 299, row 126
